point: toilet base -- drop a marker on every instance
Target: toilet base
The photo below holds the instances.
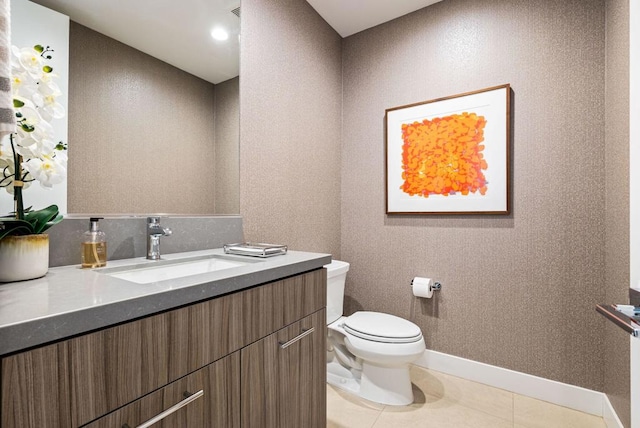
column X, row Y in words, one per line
column 343, row 378
column 384, row 385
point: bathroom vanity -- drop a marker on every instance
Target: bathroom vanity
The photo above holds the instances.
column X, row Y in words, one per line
column 239, row 347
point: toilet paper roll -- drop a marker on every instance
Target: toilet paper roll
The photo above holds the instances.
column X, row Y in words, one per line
column 422, row 287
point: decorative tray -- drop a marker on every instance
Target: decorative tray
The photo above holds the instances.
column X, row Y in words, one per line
column 255, row 249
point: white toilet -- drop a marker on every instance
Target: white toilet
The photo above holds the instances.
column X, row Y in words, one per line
column 368, row 353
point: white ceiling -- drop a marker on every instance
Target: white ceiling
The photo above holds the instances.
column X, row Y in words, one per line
column 348, row 17
column 177, row 32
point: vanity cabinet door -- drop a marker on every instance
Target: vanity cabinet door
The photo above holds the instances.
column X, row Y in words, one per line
column 35, row 389
column 283, row 377
column 208, row 398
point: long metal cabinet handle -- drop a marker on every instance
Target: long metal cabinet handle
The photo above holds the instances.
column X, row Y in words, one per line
column 305, row 332
column 171, row 409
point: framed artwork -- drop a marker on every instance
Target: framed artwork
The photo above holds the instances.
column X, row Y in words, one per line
column 450, row 155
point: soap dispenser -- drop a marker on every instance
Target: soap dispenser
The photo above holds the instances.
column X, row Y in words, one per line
column 94, row 246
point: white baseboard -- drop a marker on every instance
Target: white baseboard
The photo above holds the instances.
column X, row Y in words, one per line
column 562, row 394
column 609, row 414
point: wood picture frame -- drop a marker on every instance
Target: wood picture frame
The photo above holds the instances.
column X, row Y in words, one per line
column 450, row 155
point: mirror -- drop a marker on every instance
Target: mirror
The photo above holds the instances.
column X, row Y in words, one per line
column 153, row 106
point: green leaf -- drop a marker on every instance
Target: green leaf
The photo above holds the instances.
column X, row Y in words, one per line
column 17, row 103
column 34, row 223
column 57, row 219
column 39, row 48
column 43, row 219
column 47, row 69
column 14, row 227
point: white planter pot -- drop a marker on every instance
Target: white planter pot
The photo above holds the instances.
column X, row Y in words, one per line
column 23, row 257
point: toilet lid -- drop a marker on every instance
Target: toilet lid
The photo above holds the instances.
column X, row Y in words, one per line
column 381, row 327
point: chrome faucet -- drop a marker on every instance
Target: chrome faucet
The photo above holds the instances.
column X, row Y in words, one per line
column 154, row 232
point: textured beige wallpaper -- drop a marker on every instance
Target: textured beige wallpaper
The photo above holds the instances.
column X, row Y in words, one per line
column 518, row 291
column 290, row 104
column 227, row 151
column 617, row 269
column 141, row 132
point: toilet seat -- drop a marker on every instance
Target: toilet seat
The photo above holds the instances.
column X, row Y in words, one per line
column 384, row 328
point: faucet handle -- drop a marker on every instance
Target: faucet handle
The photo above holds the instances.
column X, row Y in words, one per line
column 167, row 231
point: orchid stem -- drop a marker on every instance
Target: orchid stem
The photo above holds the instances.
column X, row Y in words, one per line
column 17, row 190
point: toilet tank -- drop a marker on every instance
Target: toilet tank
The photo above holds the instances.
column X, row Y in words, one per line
column 336, row 276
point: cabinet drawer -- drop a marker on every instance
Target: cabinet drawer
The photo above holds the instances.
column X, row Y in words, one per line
column 115, row 366
column 283, row 381
column 270, row 307
column 210, row 397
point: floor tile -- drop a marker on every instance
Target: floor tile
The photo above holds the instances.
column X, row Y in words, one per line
column 445, row 401
column 438, row 413
column 487, row 399
column 345, row 410
column 532, row 413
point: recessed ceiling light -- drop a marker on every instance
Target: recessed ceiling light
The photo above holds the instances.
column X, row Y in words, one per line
column 219, row 34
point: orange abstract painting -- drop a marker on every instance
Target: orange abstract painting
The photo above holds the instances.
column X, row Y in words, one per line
column 444, row 156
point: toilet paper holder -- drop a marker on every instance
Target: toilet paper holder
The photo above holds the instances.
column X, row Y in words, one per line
column 434, row 286
column 424, row 287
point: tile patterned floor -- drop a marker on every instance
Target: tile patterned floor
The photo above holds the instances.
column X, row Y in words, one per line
column 444, row 401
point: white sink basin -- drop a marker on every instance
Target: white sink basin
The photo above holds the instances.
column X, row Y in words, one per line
column 171, row 269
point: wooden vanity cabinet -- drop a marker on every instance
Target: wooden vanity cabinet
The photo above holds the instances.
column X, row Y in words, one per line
column 130, row 372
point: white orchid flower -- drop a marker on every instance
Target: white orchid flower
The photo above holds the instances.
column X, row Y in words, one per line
column 61, row 157
column 47, row 86
column 6, row 154
column 37, row 149
column 27, row 141
column 48, row 107
column 8, row 164
column 31, row 123
column 21, row 82
column 30, row 60
column 7, row 170
column 48, row 171
column 35, row 95
column 6, row 167
column 30, row 118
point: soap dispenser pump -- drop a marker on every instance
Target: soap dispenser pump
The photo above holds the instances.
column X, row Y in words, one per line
column 94, row 246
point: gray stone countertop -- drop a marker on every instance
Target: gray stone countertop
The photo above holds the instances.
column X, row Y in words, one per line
column 69, row 301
